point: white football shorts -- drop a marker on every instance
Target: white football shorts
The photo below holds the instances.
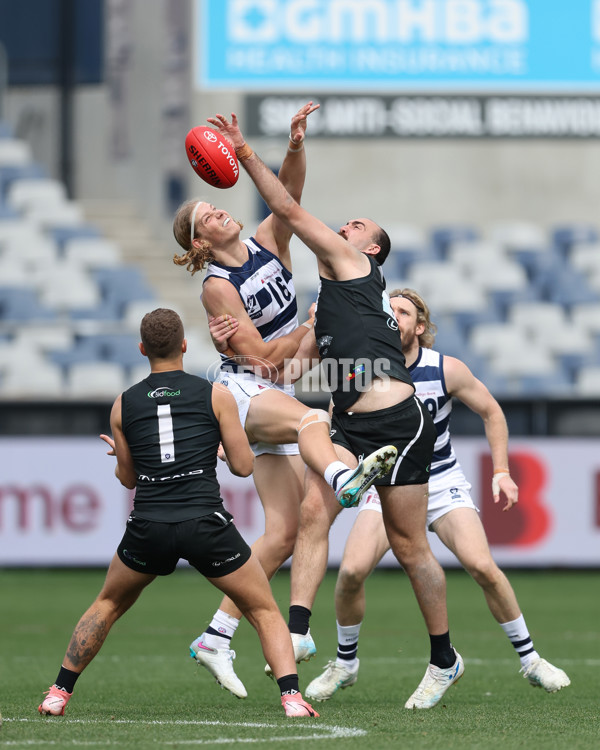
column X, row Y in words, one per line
column 244, row 386
column 447, row 491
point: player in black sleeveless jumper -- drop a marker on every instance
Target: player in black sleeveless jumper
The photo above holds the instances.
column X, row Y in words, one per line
column 373, row 399
column 251, row 279
column 451, row 512
column 167, row 431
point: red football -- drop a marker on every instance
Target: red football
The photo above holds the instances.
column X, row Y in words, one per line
column 212, row 157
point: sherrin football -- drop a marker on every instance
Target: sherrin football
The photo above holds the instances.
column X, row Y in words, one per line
column 212, row 157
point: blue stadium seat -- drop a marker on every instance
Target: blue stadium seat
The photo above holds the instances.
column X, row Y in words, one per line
column 450, row 338
column 5, row 130
column 13, row 172
column 443, row 237
column 122, row 285
column 564, row 237
column 119, row 347
column 537, row 262
column 409, row 245
column 20, row 304
column 105, row 311
column 504, row 299
column 63, row 234
column 535, row 386
column 7, row 212
column 467, row 320
column 85, row 350
column 401, row 260
column 570, row 287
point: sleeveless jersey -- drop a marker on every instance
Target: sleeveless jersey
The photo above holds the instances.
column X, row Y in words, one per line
column 428, row 376
column 173, row 434
column 357, row 335
column 266, row 289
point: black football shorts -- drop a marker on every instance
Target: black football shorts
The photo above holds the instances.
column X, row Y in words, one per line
column 211, row 544
column 407, row 425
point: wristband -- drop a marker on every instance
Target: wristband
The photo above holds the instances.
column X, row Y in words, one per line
column 299, row 144
column 498, row 475
column 502, row 471
column 244, row 152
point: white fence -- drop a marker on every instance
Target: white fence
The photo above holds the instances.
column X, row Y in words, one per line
column 60, row 504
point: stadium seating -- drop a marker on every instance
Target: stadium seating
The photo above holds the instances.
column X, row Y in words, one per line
column 101, row 380
column 519, row 303
column 587, row 382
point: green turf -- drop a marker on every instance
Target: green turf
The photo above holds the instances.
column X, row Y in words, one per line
column 143, row 690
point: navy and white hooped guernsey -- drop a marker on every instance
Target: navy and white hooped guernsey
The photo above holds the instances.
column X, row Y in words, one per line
column 428, row 376
column 266, row 289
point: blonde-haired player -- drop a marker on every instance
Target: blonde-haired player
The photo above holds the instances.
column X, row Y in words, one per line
column 451, row 514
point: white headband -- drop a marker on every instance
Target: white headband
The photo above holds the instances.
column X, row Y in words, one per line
column 192, row 233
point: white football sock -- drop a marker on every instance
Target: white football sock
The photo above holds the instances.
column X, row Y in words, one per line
column 517, row 632
column 225, row 625
column 336, row 473
column 347, row 645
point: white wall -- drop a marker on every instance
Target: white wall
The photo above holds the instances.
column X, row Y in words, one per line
column 60, row 503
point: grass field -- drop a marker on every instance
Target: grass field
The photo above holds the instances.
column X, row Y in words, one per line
column 143, row 690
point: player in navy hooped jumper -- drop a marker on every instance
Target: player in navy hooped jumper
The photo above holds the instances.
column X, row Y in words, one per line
column 451, row 512
column 354, row 314
column 249, row 283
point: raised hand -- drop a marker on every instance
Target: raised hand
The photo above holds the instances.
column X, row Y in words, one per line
column 230, row 130
column 298, row 124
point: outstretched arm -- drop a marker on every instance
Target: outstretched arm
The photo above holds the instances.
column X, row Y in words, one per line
column 337, row 258
column 272, row 232
column 462, row 384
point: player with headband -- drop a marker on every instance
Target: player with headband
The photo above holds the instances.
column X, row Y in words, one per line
column 251, row 281
column 355, row 327
column 451, row 513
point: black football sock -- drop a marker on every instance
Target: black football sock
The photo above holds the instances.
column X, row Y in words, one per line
column 288, row 684
column 299, row 619
column 442, row 653
column 66, row 679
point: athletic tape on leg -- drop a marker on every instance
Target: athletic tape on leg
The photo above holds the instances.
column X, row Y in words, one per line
column 313, row 416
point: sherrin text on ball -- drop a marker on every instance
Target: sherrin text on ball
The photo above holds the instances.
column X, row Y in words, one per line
column 212, row 157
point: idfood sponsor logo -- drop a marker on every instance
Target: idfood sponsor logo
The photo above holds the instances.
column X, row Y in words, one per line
column 163, row 392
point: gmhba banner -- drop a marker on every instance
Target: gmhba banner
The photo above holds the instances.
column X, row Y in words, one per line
column 435, row 45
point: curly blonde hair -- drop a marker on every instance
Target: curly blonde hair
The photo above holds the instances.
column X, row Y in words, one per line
column 194, row 258
column 427, row 338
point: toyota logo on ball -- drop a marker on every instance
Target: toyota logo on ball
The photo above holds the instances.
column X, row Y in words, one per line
column 210, row 136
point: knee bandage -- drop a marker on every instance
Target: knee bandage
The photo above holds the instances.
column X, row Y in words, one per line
column 313, row 416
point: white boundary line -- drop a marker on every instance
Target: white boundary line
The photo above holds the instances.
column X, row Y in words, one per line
column 318, row 732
